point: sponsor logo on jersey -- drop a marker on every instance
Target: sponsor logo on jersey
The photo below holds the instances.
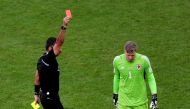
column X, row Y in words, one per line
column 138, row 67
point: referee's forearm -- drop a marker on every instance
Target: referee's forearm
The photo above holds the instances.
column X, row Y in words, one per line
column 60, row 38
column 37, row 83
column 37, row 78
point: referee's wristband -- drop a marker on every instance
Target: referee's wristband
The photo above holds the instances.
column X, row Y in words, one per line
column 35, row 93
column 63, row 27
column 36, row 89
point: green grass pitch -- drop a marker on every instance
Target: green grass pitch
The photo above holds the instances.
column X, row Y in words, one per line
column 96, row 34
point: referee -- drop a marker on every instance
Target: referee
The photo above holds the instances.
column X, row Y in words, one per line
column 47, row 74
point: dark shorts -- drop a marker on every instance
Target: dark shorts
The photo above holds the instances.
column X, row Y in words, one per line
column 52, row 102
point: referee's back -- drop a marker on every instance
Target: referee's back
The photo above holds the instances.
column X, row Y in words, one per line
column 47, row 67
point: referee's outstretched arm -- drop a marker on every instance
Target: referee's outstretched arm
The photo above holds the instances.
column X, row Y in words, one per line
column 60, row 38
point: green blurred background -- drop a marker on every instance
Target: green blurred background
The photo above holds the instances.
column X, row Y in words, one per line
column 96, row 34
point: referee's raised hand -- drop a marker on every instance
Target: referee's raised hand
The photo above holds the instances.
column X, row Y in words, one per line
column 66, row 21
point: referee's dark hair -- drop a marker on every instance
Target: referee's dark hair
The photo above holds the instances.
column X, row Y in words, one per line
column 50, row 42
column 130, row 47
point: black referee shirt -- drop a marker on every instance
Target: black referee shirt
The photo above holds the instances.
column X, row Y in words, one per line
column 48, row 70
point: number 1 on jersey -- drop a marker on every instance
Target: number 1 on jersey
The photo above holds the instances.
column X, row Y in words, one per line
column 130, row 75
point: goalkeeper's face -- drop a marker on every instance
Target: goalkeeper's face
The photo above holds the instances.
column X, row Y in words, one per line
column 130, row 56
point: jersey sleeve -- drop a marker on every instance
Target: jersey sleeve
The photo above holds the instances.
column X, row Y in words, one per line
column 150, row 76
column 38, row 65
column 116, row 76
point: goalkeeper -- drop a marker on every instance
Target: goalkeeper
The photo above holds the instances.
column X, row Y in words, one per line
column 131, row 70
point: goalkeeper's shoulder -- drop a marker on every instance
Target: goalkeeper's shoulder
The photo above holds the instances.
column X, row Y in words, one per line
column 144, row 58
column 118, row 58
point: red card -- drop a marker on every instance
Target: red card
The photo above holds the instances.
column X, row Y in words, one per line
column 68, row 13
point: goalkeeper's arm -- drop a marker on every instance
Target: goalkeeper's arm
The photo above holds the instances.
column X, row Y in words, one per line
column 115, row 83
column 152, row 83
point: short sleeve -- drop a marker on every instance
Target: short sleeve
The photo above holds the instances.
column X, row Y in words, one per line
column 38, row 64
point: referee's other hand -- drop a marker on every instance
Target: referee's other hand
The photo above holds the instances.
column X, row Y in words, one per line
column 36, row 99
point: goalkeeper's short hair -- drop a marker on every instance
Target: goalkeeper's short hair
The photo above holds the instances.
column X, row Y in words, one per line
column 130, row 47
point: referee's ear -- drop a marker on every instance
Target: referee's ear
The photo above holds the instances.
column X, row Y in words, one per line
column 50, row 48
column 50, row 43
